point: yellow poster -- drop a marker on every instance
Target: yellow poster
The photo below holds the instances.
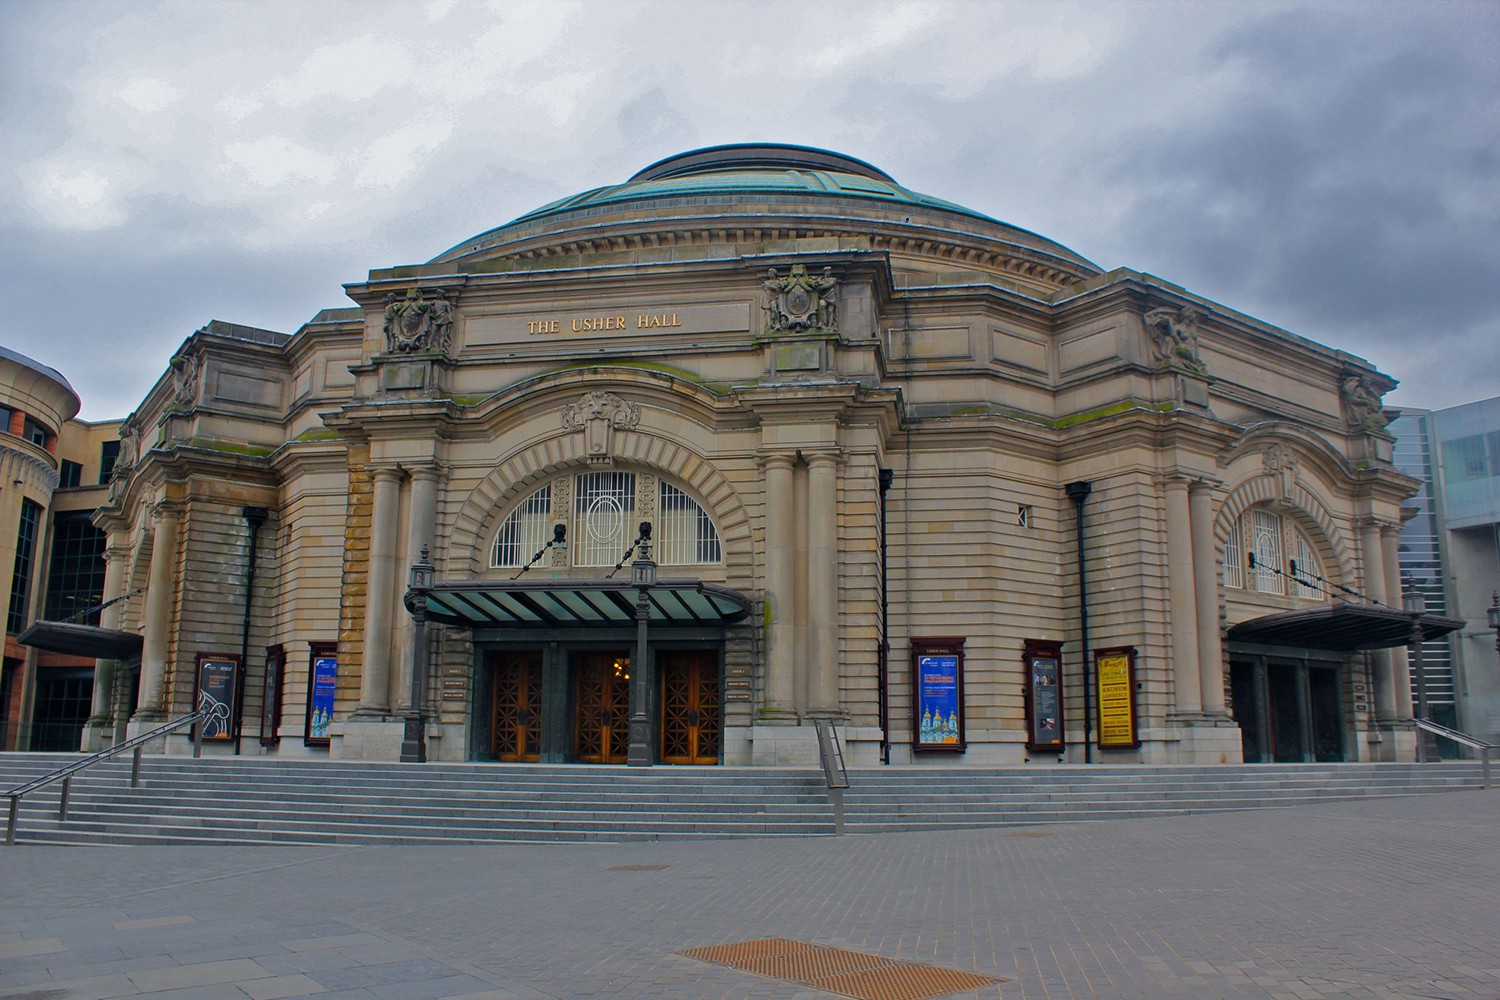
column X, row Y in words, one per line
column 1116, row 705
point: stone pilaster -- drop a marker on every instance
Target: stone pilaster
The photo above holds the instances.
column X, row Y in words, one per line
column 375, row 673
column 822, row 584
column 780, row 693
column 1206, row 599
column 159, row 592
column 1182, row 604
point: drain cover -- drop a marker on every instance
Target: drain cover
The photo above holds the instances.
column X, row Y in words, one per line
column 856, row 974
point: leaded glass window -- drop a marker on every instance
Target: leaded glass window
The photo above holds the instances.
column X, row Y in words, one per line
column 687, row 533
column 603, row 514
column 524, row 532
column 1271, row 554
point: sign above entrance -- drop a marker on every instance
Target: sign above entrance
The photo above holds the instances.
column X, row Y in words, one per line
column 581, row 321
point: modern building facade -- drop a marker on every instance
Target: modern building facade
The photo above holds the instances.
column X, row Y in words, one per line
column 897, row 465
column 1450, row 550
column 52, row 474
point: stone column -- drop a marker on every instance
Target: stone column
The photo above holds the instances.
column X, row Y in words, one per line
column 1182, row 603
column 1400, row 657
column 421, row 531
column 375, row 672
column 823, row 583
column 780, row 679
column 97, row 732
column 1374, row 588
column 1206, row 596
column 151, row 705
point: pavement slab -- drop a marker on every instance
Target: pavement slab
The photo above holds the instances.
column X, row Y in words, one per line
column 1391, row 899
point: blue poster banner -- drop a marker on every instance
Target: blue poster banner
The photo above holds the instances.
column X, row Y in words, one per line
column 939, row 723
column 325, row 671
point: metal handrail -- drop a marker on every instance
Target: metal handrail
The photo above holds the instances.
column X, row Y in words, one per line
column 1473, row 742
column 835, row 776
column 66, row 772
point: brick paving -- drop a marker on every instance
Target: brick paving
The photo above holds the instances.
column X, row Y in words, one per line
column 1383, row 899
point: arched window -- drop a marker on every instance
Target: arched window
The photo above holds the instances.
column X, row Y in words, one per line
column 601, row 522
column 1271, row 554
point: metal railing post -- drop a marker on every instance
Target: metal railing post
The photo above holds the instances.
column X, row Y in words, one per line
column 62, row 803
column 135, row 769
column 10, row 827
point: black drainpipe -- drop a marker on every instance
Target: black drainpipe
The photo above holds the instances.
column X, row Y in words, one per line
column 1078, row 492
column 254, row 517
column 887, row 477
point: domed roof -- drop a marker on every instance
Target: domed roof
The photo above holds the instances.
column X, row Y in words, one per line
column 760, row 183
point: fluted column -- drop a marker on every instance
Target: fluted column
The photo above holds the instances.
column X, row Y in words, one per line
column 1206, row 598
column 1400, row 657
column 780, row 663
column 1374, row 588
column 375, row 672
column 823, row 583
column 150, row 705
column 421, row 531
column 1182, row 606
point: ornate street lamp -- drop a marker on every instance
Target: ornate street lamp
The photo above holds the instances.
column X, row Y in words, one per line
column 1493, row 613
column 414, row 741
column 643, row 578
column 1414, row 604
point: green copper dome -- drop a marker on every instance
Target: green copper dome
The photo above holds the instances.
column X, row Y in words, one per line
column 757, row 183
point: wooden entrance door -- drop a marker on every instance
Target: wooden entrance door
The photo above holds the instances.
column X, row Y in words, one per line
column 517, row 719
column 601, row 707
column 691, row 721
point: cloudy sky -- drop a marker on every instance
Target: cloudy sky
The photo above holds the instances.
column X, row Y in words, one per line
column 1330, row 168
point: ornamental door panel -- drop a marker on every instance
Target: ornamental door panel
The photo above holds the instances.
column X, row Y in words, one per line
column 691, row 717
column 517, row 706
column 601, row 707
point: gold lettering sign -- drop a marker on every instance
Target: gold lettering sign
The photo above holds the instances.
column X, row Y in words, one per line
column 1114, row 672
column 603, row 323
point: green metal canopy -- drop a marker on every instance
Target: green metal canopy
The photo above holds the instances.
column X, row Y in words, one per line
column 1341, row 627
column 486, row 604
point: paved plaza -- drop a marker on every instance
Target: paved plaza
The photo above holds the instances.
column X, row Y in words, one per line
column 1396, row 898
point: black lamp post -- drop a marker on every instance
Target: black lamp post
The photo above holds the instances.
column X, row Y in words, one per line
column 1414, row 604
column 414, row 741
column 643, row 577
column 1493, row 613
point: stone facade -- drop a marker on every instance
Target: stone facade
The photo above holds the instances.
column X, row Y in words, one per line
column 873, row 399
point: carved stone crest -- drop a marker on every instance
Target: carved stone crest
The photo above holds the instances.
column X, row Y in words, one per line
column 597, row 415
column 1174, row 337
column 800, row 302
column 417, row 323
column 1281, row 462
column 1361, row 399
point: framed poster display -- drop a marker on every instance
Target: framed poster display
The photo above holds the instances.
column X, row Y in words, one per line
column 1114, row 677
column 1045, row 729
column 270, row 698
column 218, row 678
column 322, row 683
column 938, row 686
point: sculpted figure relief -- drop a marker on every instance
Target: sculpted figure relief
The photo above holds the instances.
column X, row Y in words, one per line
column 416, row 323
column 1361, row 403
column 800, row 302
column 1174, row 336
column 186, row 369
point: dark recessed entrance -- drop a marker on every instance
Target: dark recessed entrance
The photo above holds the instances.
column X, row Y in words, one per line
column 601, row 706
column 1289, row 712
column 517, row 705
column 691, row 722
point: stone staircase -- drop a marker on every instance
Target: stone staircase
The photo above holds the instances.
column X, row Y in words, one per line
column 260, row 801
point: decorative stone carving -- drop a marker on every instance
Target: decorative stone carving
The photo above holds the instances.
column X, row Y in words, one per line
column 645, row 498
column 800, row 302
column 1174, row 337
column 187, row 372
column 562, row 504
column 1361, row 403
column 1282, row 463
column 418, row 324
column 597, row 415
